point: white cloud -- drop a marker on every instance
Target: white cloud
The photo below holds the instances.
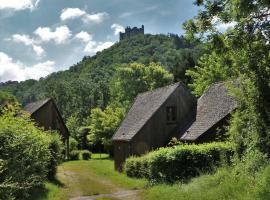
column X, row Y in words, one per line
column 90, row 47
column 84, row 36
column 60, row 35
column 38, row 50
column 18, row 4
column 222, row 26
column 27, row 41
column 225, row 26
column 96, row 18
column 15, row 70
column 71, row 13
column 103, row 46
column 93, row 47
column 117, row 28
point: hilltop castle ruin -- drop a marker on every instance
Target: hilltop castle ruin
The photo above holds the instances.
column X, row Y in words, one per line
column 130, row 32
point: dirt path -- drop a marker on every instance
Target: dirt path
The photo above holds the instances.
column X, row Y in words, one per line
column 121, row 195
column 82, row 183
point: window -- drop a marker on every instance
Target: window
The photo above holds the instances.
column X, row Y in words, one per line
column 171, row 114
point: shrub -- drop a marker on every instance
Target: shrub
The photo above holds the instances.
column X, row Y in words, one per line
column 180, row 162
column 86, row 155
column 74, row 155
column 73, row 144
column 24, row 157
column 56, row 148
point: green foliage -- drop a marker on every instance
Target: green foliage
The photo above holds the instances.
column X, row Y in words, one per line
column 86, row 84
column 224, row 184
column 73, row 144
column 86, row 155
column 8, row 103
column 128, row 81
column 7, row 98
column 56, row 148
column 74, row 155
column 180, row 162
column 74, row 127
column 103, row 125
column 240, row 53
column 132, row 79
column 24, row 156
column 211, row 69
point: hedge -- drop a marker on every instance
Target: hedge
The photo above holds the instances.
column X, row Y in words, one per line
column 180, row 162
column 74, row 155
column 86, row 155
column 27, row 156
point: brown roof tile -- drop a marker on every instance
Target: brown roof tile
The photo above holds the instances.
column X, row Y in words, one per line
column 214, row 105
column 145, row 105
column 33, row 107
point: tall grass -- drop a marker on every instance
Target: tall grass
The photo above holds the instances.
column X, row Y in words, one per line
column 223, row 185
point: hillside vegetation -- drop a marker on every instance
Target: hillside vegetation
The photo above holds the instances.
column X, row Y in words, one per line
column 86, row 84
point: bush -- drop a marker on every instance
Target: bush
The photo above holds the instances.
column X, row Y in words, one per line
column 73, row 144
column 74, row 155
column 24, row 157
column 86, row 155
column 180, row 162
column 56, row 148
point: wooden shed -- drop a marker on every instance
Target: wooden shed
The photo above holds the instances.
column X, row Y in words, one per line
column 46, row 114
column 153, row 119
column 214, row 109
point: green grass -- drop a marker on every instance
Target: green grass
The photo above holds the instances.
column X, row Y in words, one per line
column 86, row 178
column 222, row 185
column 100, row 156
column 105, row 169
column 97, row 176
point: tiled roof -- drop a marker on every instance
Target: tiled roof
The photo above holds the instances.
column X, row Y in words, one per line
column 31, row 108
column 145, row 105
column 214, row 105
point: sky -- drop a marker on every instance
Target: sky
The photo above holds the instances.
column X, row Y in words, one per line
column 38, row 37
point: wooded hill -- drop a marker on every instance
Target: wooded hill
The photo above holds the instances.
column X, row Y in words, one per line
column 85, row 85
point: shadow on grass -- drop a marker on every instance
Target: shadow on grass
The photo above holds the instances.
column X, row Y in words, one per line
column 42, row 193
column 58, row 183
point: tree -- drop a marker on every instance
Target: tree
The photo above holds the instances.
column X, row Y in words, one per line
column 240, row 53
column 128, row 81
column 86, row 84
column 8, row 103
column 104, row 124
column 132, row 79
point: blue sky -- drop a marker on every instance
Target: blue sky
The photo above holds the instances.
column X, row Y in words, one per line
column 38, row 37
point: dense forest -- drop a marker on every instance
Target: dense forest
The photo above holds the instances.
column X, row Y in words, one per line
column 98, row 85
column 86, row 84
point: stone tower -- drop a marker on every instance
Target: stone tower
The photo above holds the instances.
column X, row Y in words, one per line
column 130, row 32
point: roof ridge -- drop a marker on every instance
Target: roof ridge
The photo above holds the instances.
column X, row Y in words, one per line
column 213, row 106
column 159, row 88
column 211, row 86
column 44, row 102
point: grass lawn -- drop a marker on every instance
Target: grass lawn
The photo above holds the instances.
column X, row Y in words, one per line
column 97, row 176
column 86, row 178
